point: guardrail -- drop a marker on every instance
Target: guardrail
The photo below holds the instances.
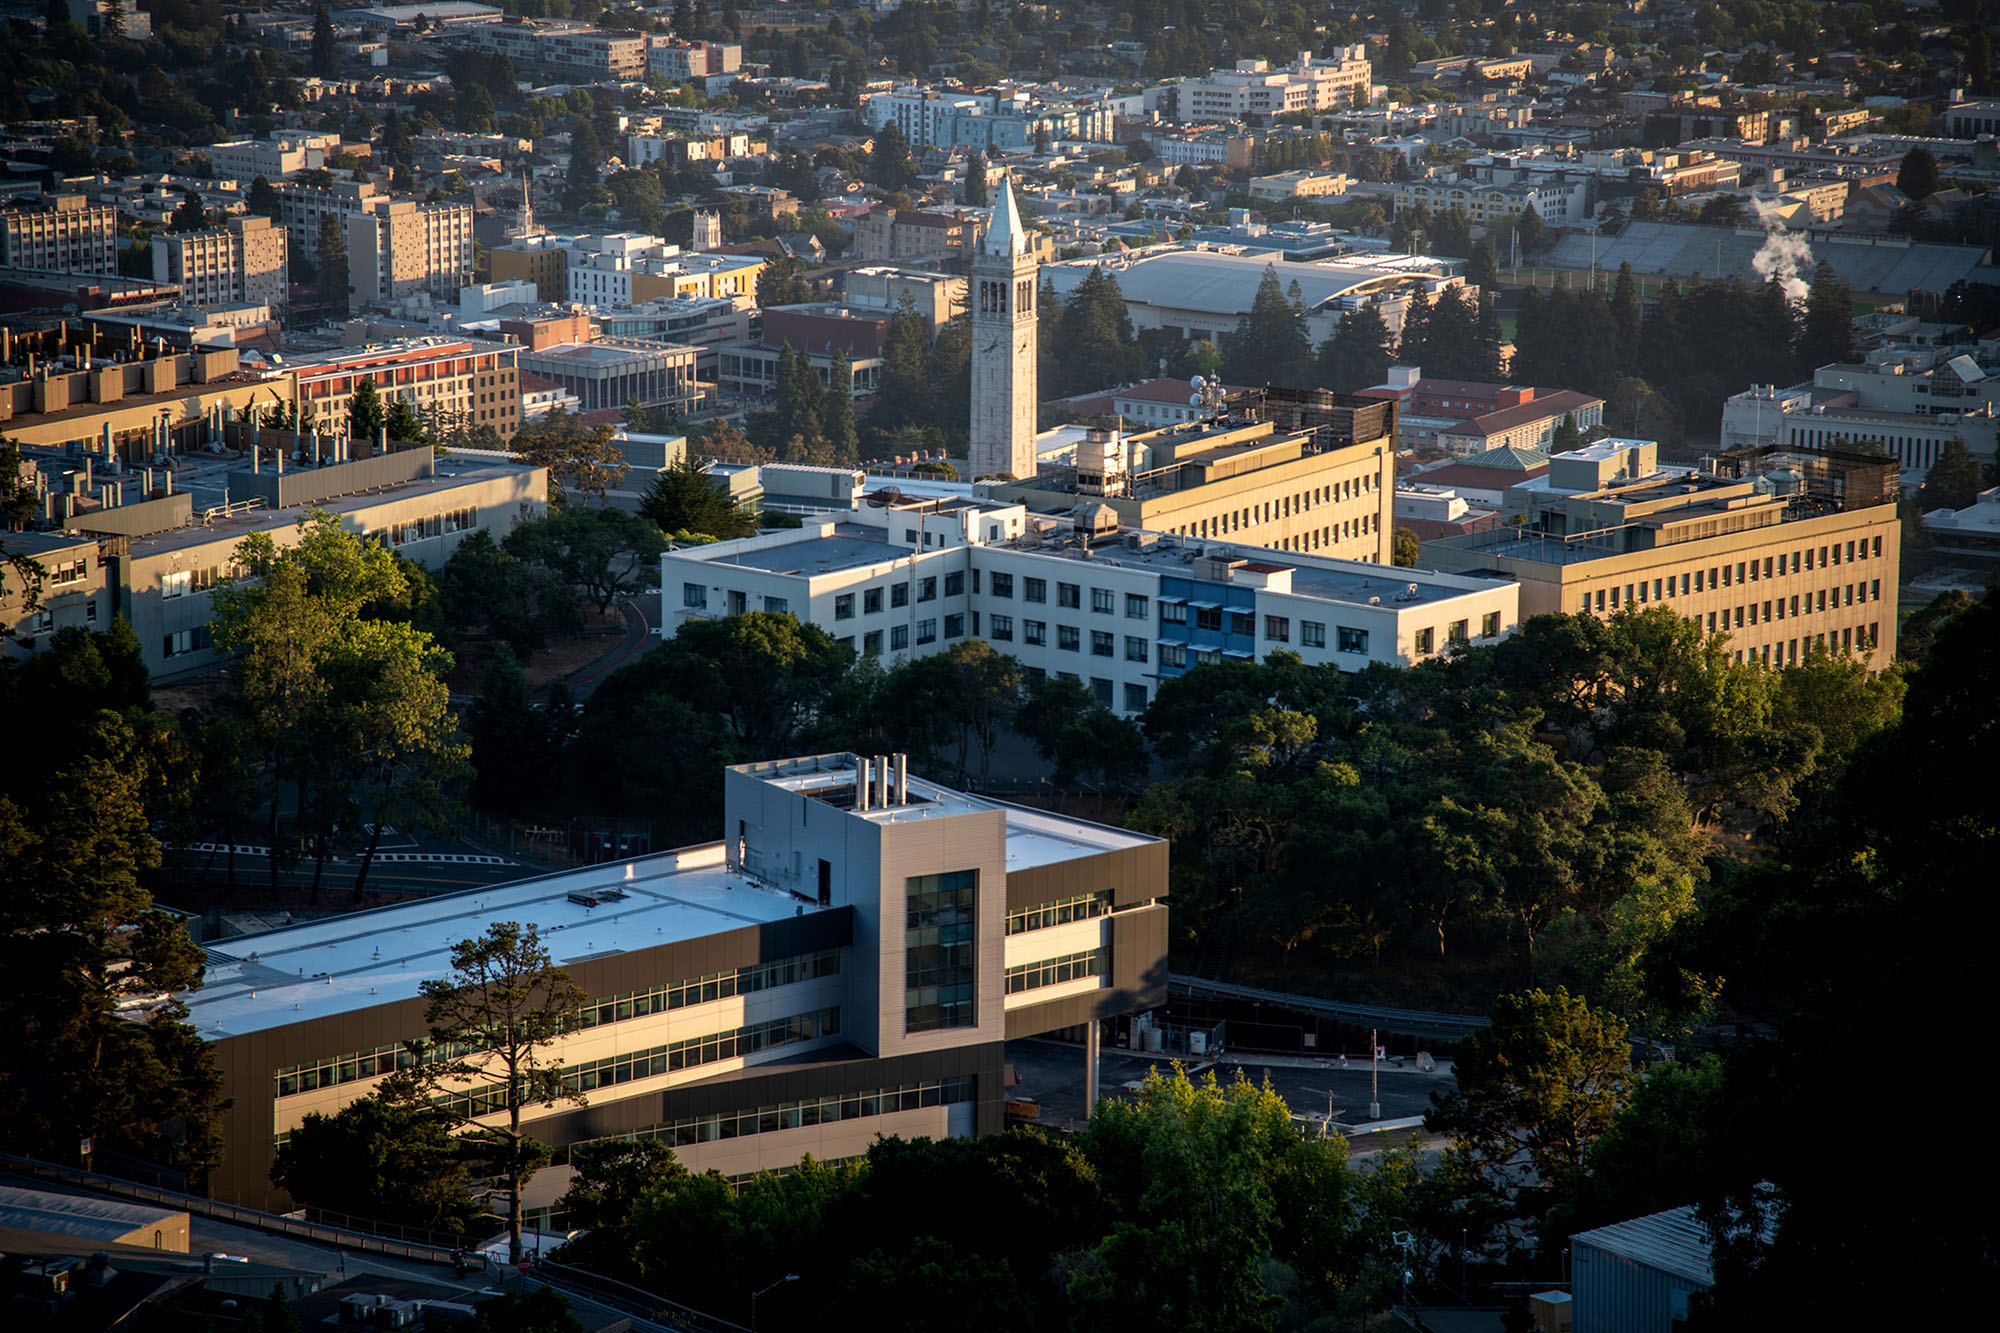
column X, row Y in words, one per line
column 342, row 1237
column 628, row 1299
column 1410, row 1022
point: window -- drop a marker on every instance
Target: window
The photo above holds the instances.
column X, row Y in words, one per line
column 1489, row 624
column 899, row 594
column 1278, row 629
column 871, row 643
column 1350, row 640
column 1135, row 648
column 1312, row 634
column 176, row 584
column 1100, row 643
column 1101, row 689
column 1457, row 632
column 927, row 588
column 1103, row 601
column 899, row 638
column 954, row 584
column 182, row 642
column 1243, row 622
column 1003, row 629
column 1135, row 698
column 90, row 610
column 695, row 595
column 1034, row 632
column 1424, row 640
column 1137, row 606
column 1069, row 595
column 940, row 938
column 777, row 606
column 927, row 631
column 871, row 601
column 1173, row 655
column 1003, row 585
column 739, row 602
column 1068, row 638
column 1173, row 613
column 843, row 606
column 1034, row 590
column 68, row 572
column 954, row 625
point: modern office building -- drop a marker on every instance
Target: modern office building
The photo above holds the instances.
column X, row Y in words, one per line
column 403, row 247
column 844, row 961
column 244, row 261
column 1119, row 611
column 681, row 61
column 1254, row 89
column 62, row 233
column 480, row 379
column 1779, row 548
column 566, row 50
column 608, row 373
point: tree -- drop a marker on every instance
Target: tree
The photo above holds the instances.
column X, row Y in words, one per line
column 542, row 1310
column 1405, row 548
column 1533, row 234
column 1954, row 481
column 1541, row 1084
column 837, row 415
column 1482, row 271
column 379, row 1160
column 1270, row 345
column 580, row 457
column 522, row 605
column 325, row 60
column 365, row 417
column 1826, row 334
column 603, row 553
column 504, row 1006
column 1359, row 353
column 406, row 424
column 783, row 282
column 611, row 1175
column 1917, row 176
column 686, row 499
column 975, row 180
column 1567, row 436
column 57, row 18
column 264, row 200
column 889, row 163
column 189, row 215
column 333, row 278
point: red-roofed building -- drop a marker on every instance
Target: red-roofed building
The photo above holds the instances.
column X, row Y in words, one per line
column 1464, row 417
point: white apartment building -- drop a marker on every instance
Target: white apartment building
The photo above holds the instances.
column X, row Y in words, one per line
column 272, row 158
column 1557, row 202
column 304, row 208
column 681, row 61
column 602, row 268
column 247, row 260
column 572, row 50
column 1253, row 88
column 1119, row 612
column 404, row 247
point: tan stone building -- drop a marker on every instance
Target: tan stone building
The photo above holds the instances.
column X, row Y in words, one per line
column 245, row 260
column 1778, row 548
column 1313, row 473
column 405, row 247
column 542, row 260
column 63, row 233
column 480, row 379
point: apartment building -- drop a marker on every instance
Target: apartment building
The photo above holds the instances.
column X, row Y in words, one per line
column 1114, row 609
column 482, row 380
column 246, row 260
column 304, row 208
column 682, row 61
column 1780, row 549
column 1254, row 89
column 1486, row 204
column 404, row 247
column 568, row 50
column 1310, row 472
column 845, row 961
column 272, row 158
column 60, row 233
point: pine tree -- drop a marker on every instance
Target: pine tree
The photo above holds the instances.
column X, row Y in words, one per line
column 1412, row 349
column 839, row 414
column 333, row 284
column 1917, row 177
column 1270, row 345
column 975, row 181
column 1482, row 272
column 189, row 215
column 1359, row 353
column 364, row 412
column 889, row 163
column 325, row 60
column 1826, row 334
column 1487, row 341
column 1625, row 315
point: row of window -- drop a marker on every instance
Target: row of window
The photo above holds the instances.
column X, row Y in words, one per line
column 1804, row 560
column 798, row 1115
column 184, row 641
column 716, row 986
column 1055, row 971
column 1855, row 638
column 357, row 1065
column 1060, row 912
column 687, row 1053
column 1758, row 613
column 181, row 582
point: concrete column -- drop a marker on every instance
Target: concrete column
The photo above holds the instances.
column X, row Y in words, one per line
column 1093, row 1036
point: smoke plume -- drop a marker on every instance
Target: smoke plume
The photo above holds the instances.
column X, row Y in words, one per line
column 1785, row 256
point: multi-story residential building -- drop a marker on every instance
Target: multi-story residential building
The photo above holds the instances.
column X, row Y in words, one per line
column 272, row 158
column 1254, row 89
column 845, row 962
column 681, row 61
column 884, row 234
column 608, row 373
column 1556, row 202
column 246, row 260
column 542, row 260
column 625, row 268
column 1118, row 610
column 481, row 380
column 571, row 50
column 404, row 247
column 987, row 121
column 61, row 233
column 1781, row 549
column 304, row 208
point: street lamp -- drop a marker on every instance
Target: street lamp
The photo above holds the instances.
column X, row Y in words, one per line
column 755, row 1296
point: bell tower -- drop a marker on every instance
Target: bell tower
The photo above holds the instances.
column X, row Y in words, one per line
column 1003, row 298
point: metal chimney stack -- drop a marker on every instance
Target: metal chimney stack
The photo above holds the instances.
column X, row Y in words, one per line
column 902, row 779
column 882, row 781
column 861, row 783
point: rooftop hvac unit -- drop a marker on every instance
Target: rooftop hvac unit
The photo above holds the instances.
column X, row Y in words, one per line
column 595, row 897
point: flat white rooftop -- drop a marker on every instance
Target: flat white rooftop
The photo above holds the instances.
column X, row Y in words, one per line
column 343, row 963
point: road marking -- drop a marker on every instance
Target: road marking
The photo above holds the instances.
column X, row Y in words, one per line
column 241, row 849
column 441, row 858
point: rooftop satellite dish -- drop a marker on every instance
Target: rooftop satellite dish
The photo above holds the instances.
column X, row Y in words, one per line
column 885, row 497
column 1194, row 400
column 1197, row 383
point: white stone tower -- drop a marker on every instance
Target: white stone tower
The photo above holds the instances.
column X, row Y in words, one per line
column 707, row 230
column 1002, row 298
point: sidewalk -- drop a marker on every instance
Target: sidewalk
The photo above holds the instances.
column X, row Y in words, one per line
column 638, row 638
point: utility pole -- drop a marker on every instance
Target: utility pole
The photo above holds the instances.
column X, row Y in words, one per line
column 1374, row 1078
